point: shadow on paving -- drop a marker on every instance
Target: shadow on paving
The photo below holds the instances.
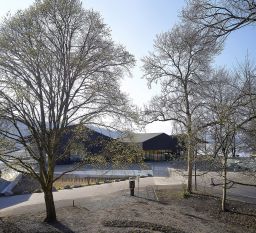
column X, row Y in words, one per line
column 243, row 194
column 3, row 184
column 13, row 200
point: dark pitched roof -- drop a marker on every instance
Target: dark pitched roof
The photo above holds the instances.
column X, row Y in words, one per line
column 138, row 137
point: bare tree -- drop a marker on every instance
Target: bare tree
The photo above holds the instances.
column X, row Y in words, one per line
column 58, row 66
column 223, row 101
column 224, row 16
column 248, row 129
column 181, row 63
column 228, row 105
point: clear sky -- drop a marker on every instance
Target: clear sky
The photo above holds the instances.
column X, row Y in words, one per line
column 135, row 23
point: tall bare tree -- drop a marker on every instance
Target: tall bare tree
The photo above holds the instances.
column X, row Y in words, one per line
column 223, row 103
column 229, row 98
column 181, row 63
column 224, row 16
column 58, row 66
column 248, row 129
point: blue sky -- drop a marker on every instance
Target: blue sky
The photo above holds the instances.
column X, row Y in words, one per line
column 135, row 23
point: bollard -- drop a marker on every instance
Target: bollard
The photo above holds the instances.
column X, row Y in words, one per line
column 131, row 186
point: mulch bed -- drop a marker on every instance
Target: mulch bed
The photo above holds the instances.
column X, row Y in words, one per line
column 142, row 225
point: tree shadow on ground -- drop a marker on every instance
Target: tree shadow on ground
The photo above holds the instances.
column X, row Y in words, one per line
column 61, row 227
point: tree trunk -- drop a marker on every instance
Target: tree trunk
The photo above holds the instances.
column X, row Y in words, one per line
column 50, row 207
column 224, row 186
column 189, row 185
column 189, row 149
column 190, row 167
column 195, row 176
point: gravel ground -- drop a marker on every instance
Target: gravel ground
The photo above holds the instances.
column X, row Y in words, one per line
column 121, row 213
column 241, row 216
